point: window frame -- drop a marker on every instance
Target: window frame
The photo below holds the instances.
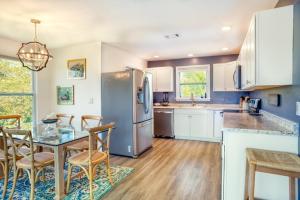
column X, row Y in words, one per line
column 33, row 93
column 179, row 69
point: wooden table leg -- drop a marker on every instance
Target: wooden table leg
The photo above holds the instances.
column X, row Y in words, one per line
column 252, row 181
column 1, row 147
column 59, row 172
column 246, row 193
column 292, row 188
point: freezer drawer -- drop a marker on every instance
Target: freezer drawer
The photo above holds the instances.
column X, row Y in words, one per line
column 143, row 136
column 164, row 123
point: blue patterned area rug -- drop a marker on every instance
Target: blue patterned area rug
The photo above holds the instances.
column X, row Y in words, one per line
column 79, row 187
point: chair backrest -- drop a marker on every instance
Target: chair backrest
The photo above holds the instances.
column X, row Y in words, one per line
column 103, row 142
column 20, row 138
column 4, row 144
column 10, row 121
column 64, row 119
column 89, row 121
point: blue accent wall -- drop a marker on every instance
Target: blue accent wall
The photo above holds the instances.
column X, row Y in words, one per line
column 216, row 97
column 289, row 95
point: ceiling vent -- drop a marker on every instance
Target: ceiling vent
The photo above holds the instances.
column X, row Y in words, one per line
column 172, row 36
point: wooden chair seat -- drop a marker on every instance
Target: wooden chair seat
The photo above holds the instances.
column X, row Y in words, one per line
column 82, row 158
column 80, row 146
column 40, row 159
column 274, row 159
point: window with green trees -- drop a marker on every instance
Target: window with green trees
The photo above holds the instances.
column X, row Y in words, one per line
column 192, row 80
column 16, row 91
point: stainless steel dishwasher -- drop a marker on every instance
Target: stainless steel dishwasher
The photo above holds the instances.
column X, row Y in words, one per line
column 164, row 122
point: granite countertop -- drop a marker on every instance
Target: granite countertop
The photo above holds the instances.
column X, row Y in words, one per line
column 255, row 124
column 201, row 106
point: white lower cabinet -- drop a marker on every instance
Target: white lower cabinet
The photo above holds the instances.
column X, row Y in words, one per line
column 194, row 124
column 181, row 125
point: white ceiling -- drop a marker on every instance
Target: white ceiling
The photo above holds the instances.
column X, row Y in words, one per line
column 135, row 25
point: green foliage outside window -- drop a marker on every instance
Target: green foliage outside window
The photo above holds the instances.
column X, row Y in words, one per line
column 16, row 91
column 192, row 82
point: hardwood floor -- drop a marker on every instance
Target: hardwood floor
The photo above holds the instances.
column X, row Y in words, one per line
column 172, row 169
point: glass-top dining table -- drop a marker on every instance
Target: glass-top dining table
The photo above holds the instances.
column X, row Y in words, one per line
column 57, row 138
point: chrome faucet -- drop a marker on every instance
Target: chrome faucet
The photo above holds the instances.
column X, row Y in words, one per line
column 193, row 99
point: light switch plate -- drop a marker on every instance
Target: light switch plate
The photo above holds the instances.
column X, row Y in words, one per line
column 298, row 108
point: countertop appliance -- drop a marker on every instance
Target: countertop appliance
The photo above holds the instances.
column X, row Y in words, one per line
column 254, row 106
column 237, row 77
column 127, row 100
column 164, row 123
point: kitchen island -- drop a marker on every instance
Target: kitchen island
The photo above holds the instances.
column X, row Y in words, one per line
column 241, row 131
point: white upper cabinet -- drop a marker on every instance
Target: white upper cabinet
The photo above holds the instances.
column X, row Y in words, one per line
column 266, row 55
column 223, row 76
column 163, row 79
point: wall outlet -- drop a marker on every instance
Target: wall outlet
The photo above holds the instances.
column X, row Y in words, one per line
column 298, row 108
column 129, row 148
column 91, row 100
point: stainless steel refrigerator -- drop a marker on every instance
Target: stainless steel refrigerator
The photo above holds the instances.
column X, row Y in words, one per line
column 126, row 99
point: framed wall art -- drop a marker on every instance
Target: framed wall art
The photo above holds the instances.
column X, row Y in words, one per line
column 77, row 69
column 65, row 95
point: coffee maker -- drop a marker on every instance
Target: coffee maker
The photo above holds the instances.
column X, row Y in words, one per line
column 254, row 106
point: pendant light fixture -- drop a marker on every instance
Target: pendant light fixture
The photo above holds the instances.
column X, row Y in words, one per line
column 34, row 55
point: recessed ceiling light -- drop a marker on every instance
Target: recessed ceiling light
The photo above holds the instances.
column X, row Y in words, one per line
column 190, row 55
column 226, row 28
column 156, row 56
column 172, row 36
column 225, row 49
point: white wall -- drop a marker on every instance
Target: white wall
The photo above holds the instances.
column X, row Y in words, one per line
column 9, row 47
column 116, row 59
column 87, row 92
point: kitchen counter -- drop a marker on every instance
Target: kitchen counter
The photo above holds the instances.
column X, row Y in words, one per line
column 201, row 106
column 256, row 124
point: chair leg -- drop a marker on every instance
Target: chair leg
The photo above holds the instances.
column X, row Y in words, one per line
column 43, row 174
column 292, row 188
column 246, row 194
column 91, row 182
column 16, row 172
column 69, row 177
column 108, row 171
column 32, row 184
column 65, row 155
column 252, row 181
column 5, row 172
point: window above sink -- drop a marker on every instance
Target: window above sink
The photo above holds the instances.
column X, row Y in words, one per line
column 193, row 83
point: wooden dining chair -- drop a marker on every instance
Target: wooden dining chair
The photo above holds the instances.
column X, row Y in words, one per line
column 87, row 122
column 32, row 163
column 4, row 161
column 64, row 119
column 90, row 121
column 89, row 160
column 10, row 121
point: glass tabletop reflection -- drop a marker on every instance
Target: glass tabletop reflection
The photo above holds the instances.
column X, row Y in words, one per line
column 54, row 135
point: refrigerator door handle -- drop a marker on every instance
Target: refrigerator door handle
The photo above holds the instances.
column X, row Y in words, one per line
column 146, row 95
